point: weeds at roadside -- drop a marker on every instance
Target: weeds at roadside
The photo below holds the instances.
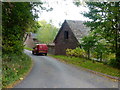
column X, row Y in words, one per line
column 13, row 67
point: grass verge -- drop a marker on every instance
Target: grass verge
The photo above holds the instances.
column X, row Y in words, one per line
column 0, row 69
column 88, row 64
column 14, row 68
column 28, row 48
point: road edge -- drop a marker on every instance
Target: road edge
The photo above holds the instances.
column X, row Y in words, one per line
column 113, row 78
column 12, row 85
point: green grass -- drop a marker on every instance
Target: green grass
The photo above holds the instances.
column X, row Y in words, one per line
column 28, row 48
column 97, row 66
column 14, row 67
column 0, row 69
column 0, row 78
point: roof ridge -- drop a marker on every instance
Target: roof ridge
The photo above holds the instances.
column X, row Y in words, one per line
column 76, row 20
column 77, row 27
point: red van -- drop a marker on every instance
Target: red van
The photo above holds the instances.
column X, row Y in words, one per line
column 40, row 49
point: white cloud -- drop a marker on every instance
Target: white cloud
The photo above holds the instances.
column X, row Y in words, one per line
column 62, row 9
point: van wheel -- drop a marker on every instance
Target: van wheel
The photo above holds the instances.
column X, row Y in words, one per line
column 45, row 54
column 37, row 53
column 33, row 53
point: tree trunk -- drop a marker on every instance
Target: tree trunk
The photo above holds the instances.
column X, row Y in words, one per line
column 117, row 46
column 101, row 57
column 88, row 53
column 118, row 56
column 25, row 38
column 117, row 37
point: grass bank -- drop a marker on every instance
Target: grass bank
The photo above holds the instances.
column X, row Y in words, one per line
column 14, row 68
column 28, row 48
column 97, row 66
column 0, row 69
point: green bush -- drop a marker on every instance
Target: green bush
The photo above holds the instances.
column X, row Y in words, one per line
column 105, row 56
column 69, row 52
column 13, row 67
column 109, row 56
column 94, row 54
column 113, row 63
column 78, row 52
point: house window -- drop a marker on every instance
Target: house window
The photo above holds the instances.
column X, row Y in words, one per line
column 66, row 35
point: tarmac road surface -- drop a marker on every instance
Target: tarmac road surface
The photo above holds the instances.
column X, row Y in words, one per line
column 51, row 73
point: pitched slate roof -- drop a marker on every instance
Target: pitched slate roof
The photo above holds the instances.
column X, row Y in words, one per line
column 77, row 27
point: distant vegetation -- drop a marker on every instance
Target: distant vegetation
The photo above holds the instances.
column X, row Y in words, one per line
column 46, row 33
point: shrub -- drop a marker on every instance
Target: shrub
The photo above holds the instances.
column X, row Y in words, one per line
column 106, row 57
column 78, row 52
column 13, row 67
column 94, row 54
column 113, row 63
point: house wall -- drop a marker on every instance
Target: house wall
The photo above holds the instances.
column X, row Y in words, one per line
column 62, row 44
column 51, row 49
column 29, row 42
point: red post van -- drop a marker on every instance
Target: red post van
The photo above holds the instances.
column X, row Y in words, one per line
column 40, row 49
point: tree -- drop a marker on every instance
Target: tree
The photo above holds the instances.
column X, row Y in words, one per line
column 101, row 49
column 95, row 44
column 88, row 43
column 17, row 18
column 105, row 17
column 46, row 32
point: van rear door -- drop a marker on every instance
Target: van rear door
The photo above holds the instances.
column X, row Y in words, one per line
column 45, row 47
column 42, row 47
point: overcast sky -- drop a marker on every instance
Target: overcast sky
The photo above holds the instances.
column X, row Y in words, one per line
column 62, row 10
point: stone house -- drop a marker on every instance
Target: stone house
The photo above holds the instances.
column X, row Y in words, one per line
column 30, row 40
column 69, row 36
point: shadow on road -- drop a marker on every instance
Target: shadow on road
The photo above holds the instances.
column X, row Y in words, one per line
column 39, row 55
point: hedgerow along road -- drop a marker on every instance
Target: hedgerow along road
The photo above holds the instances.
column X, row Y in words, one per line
column 48, row 72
